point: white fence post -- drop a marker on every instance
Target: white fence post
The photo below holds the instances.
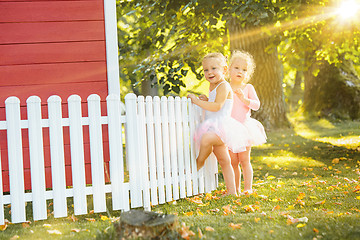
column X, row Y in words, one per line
column 120, row 196
column 132, row 150
column 36, row 158
column 77, row 155
column 15, row 159
column 57, row 156
column 96, row 153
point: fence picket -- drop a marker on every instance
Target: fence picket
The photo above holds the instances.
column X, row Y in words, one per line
column 173, row 151
column 194, row 172
column 2, row 219
column 185, row 119
column 36, row 149
column 57, row 156
column 77, row 155
column 166, row 147
column 160, row 154
column 180, row 146
column 15, row 159
column 132, row 152
column 151, row 146
column 143, row 155
column 96, row 153
column 159, row 150
column 120, row 196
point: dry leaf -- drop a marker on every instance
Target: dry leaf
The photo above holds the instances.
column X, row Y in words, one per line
column 3, row 227
column 72, row 218
column 257, row 219
column 56, row 232
column 277, row 207
column 315, row 230
column 321, row 202
column 75, row 230
column 90, row 219
column 300, row 225
column 235, row 226
column 200, row 233
column 209, row 229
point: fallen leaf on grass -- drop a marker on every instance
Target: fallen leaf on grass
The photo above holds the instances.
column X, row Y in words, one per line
column 277, row 207
column 315, row 230
column 90, row 219
column 209, row 229
column 300, row 225
column 200, row 234
column 3, row 227
column 358, row 197
column 75, row 230
column 25, row 225
column 189, row 213
column 185, row 232
column 72, row 218
column 257, row 219
column 56, row 232
column 104, row 218
column 228, row 210
column 321, row 202
column 235, row 226
column 91, row 212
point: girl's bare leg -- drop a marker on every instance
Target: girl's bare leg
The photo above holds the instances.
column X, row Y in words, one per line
column 222, row 155
column 235, row 163
column 208, row 140
column 247, row 169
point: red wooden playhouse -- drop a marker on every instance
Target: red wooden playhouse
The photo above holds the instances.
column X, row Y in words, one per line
column 56, row 47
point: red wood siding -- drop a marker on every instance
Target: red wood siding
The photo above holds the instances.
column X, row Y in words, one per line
column 51, row 47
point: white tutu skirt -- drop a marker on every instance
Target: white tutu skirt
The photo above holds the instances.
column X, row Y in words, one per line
column 257, row 135
column 234, row 134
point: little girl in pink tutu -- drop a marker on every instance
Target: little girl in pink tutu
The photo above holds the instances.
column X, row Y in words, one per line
column 242, row 66
column 219, row 131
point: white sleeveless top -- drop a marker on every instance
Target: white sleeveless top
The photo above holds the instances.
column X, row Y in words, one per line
column 225, row 110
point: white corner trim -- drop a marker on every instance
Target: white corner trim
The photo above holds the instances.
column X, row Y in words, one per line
column 112, row 60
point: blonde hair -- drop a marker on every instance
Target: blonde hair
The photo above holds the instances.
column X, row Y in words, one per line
column 216, row 55
column 249, row 60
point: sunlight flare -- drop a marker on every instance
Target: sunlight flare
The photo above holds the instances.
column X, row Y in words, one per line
column 348, row 9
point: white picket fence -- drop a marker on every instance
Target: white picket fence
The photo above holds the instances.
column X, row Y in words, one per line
column 159, row 155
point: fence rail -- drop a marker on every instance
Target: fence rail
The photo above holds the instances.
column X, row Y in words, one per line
column 153, row 163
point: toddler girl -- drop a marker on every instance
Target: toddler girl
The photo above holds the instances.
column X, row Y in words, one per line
column 242, row 66
column 219, row 130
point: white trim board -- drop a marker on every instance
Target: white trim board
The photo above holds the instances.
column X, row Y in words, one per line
column 112, row 60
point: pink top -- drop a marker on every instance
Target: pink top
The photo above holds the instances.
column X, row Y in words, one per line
column 240, row 111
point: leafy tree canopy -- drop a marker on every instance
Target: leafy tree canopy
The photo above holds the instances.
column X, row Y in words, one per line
column 161, row 40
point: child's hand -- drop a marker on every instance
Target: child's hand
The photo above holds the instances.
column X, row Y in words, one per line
column 203, row 97
column 192, row 97
column 239, row 93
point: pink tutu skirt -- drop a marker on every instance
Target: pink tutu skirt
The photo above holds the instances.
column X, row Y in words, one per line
column 234, row 134
column 256, row 132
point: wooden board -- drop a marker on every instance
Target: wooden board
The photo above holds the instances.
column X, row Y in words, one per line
column 49, row 32
column 44, row 11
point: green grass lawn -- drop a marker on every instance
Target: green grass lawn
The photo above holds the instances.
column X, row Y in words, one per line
column 307, row 182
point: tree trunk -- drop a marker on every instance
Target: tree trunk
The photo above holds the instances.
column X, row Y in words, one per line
column 267, row 78
column 334, row 92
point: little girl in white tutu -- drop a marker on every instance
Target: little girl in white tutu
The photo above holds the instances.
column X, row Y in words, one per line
column 242, row 66
column 219, row 131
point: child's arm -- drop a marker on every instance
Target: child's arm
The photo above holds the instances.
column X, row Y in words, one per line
column 222, row 93
column 252, row 101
